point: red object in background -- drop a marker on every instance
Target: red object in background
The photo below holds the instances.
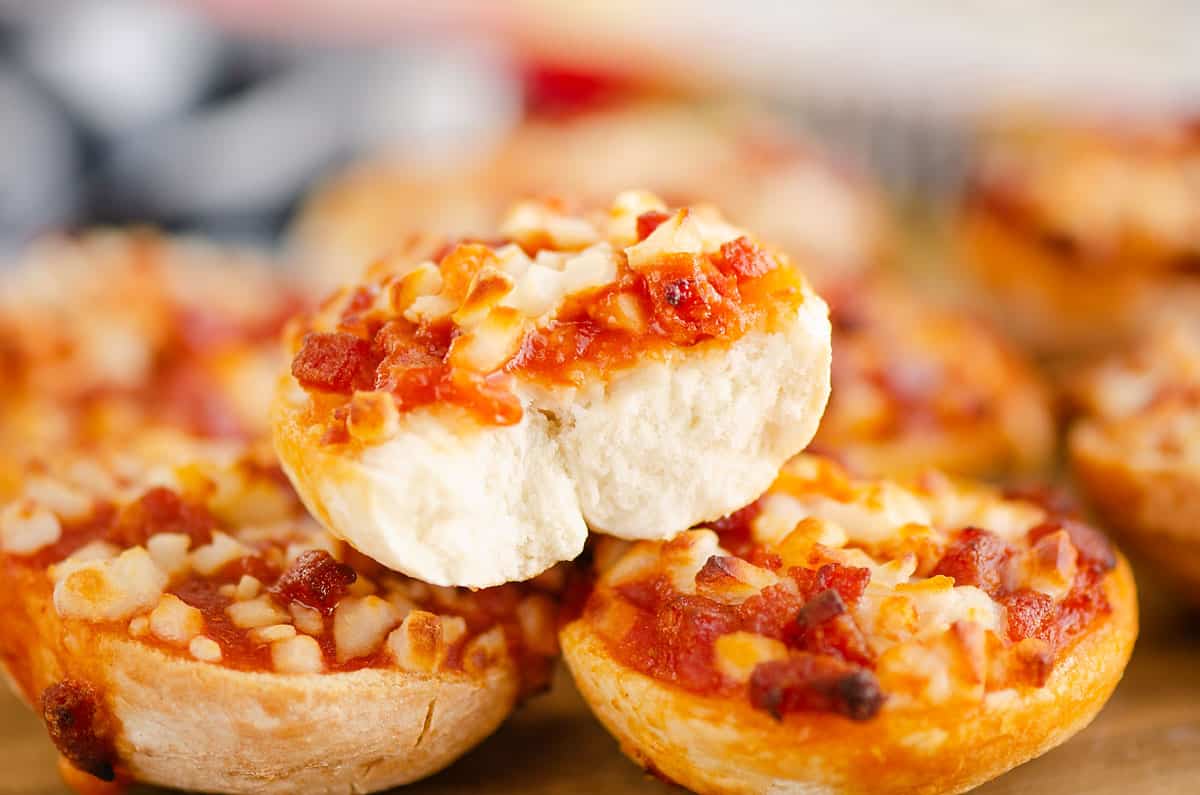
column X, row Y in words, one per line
column 556, row 90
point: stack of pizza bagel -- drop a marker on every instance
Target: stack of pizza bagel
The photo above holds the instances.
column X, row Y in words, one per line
column 637, row 393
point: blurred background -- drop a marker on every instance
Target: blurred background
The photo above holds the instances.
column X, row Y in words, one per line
column 216, row 115
column 328, row 128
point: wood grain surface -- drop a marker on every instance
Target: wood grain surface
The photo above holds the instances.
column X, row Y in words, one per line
column 1146, row 742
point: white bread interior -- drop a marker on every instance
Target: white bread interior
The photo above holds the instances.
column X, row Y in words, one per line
column 645, row 453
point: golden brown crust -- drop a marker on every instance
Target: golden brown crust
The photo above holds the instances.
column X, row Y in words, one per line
column 1135, row 448
column 718, row 745
column 190, row 725
column 1155, row 508
column 848, row 636
column 206, row 634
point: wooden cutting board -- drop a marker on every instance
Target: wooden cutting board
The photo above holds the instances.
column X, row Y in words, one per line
column 1147, row 741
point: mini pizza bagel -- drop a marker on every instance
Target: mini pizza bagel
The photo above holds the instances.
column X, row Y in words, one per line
column 1069, row 222
column 463, row 417
column 205, row 634
column 917, row 386
column 114, row 334
column 1135, row 448
column 762, row 175
column 845, row 636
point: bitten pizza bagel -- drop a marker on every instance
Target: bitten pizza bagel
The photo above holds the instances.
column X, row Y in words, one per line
column 917, row 386
column 762, row 176
column 846, row 636
column 462, row 413
column 1135, row 449
column 1081, row 231
column 119, row 334
column 198, row 630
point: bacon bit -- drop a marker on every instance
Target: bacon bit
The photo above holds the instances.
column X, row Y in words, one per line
column 1033, row 615
column 812, row 683
column 1028, row 612
column 824, row 606
column 823, row 626
column 1084, row 604
column 315, row 580
column 736, row 529
column 841, row 638
column 742, row 258
column 161, row 510
column 334, row 362
column 689, row 626
column 649, row 221
column 772, row 611
column 1093, row 546
column 980, row 558
column 691, row 300
column 405, row 346
column 75, row 721
column 673, row 637
column 849, row 581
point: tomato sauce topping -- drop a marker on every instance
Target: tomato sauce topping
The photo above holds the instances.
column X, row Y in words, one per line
column 788, row 637
column 316, row 581
column 978, row 557
column 673, row 635
column 676, row 300
column 309, row 580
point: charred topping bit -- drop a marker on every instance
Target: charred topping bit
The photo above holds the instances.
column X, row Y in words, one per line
column 78, row 727
column 824, row 606
column 161, row 510
column 335, row 362
column 977, row 557
column 316, row 581
column 813, row 683
column 848, row 581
